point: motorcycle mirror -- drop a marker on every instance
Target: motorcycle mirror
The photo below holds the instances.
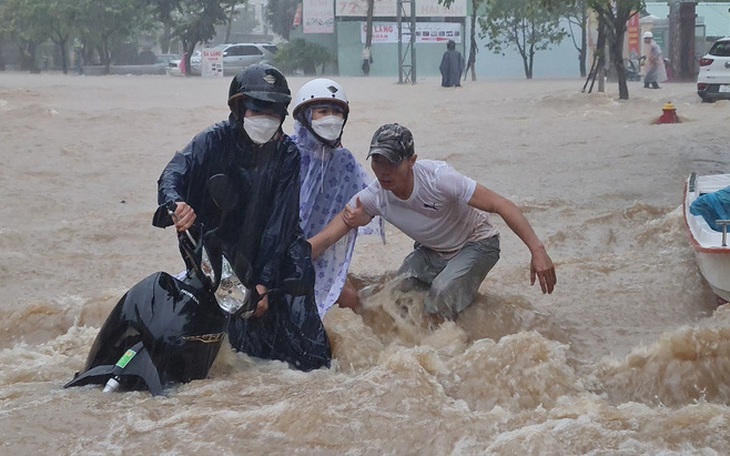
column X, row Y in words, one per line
column 223, row 192
column 233, row 296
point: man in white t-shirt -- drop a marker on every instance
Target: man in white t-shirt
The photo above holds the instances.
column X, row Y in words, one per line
column 446, row 213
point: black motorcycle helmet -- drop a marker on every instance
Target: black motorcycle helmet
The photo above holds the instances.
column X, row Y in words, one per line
column 262, row 85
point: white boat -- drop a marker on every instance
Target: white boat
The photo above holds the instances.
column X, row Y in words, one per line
column 710, row 246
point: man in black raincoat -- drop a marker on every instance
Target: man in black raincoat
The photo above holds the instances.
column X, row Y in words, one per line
column 452, row 66
column 261, row 236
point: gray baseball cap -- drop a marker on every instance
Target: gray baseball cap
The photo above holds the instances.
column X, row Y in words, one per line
column 392, row 141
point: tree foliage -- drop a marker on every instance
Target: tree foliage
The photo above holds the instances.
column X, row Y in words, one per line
column 27, row 23
column 577, row 17
column 63, row 16
column 523, row 24
column 281, row 16
column 100, row 26
column 193, row 21
column 613, row 16
column 105, row 22
column 299, row 54
column 527, row 25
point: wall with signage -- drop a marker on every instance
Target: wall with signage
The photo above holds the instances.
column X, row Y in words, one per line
column 339, row 26
column 431, row 39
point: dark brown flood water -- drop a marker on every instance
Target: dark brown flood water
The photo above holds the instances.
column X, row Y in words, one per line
column 629, row 356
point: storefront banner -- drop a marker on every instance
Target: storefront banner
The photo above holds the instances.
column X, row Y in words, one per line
column 318, row 16
column 389, row 8
column 633, row 40
column 426, row 32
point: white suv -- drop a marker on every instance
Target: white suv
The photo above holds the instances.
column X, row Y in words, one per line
column 238, row 56
column 713, row 80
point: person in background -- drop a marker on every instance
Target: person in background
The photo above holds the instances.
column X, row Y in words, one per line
column 656, row 71
column 183, row 64
column 330, row 176
column 79, row 60
column 261, row 236
column 367, row 60
column 452, row 66
column 448, row 216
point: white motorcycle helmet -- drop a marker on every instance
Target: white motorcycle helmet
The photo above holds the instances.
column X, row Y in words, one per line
column 317, row 92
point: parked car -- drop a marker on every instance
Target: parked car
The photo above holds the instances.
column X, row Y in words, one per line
column 237, row 56
column 713, row 80
column 171, row 62
column 166, row 58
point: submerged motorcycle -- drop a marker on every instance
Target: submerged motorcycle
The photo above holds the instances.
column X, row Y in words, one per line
column 166, row 329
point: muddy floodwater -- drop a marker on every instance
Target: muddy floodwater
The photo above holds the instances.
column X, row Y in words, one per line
column 629, row 356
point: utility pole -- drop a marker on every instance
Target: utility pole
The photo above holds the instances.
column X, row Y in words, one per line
column 367, row 56
column 681, row 50
column 406, row 72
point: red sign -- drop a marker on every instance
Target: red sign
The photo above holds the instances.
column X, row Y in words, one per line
column 633, row 40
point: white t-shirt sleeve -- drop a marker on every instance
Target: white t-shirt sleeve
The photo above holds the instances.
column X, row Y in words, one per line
column 453, row 184
column 368, row 199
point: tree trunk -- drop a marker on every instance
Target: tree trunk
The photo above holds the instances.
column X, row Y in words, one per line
column 674, row 45
column 188, row 49
column 105, row 55
column 165, row 39
column 369, row 24
column 617, row 56
column 64, row 55
column 368, row 56
column 582, row 55
column 601, row 50
column 473, row 48
column 27, row 57
column 229, row 25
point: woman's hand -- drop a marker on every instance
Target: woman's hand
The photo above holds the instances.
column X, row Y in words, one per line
column 263, row 305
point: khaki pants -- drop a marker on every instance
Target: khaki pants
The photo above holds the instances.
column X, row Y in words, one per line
column 453, row 282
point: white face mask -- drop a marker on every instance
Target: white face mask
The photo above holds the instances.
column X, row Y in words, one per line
column 261, row 128
column 328, row 127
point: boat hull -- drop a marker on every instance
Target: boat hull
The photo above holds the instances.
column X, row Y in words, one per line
column 713, row 258
column 715, row 268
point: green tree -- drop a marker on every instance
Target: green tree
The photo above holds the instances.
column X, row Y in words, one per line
column 280, row 15
column 473, row 47
column 299, row 54
column 3, row 33
column 244, row 19
column 613, row 16
column 105, row 22
column 63, row 17
column 193, row 21
column 27, row 23
column 577, row 16
column 525, row 24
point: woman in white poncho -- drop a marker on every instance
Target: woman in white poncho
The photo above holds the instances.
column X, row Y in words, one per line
column 330, row 176
column 656, row 71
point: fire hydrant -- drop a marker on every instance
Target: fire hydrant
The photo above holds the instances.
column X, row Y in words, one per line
column 669, row 114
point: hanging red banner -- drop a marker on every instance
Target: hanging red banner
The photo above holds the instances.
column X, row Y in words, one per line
column 633, row 40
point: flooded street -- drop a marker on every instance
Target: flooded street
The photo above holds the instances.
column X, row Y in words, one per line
column 630, row 355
